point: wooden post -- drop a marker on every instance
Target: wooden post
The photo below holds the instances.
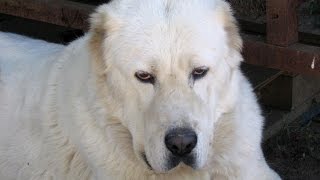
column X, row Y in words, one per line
column 282, row 22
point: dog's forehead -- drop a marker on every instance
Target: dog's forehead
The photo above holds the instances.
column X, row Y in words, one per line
column 158, row 35
column 161, row 34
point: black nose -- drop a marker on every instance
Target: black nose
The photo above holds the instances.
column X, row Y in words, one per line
column 181, row 141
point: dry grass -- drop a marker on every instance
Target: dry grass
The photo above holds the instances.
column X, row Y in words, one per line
column 295, row 151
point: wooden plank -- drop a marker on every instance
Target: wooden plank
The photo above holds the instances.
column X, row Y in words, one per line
column 260, row 28
column 92, row 2
column 277, row 119
column 279, row 93
column 259, row 76
column 282, row 22
column 47, row 32
column 59, row 12
column 298, row 58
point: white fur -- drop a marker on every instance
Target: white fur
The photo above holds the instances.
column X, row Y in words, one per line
column 78, row 112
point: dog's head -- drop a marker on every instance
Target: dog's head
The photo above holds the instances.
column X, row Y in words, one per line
column 168, row 66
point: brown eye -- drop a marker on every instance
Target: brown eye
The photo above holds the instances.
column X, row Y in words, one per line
column 144, row 77
column 199, row 72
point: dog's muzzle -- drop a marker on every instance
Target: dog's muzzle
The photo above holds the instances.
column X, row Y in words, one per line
column 180, row 142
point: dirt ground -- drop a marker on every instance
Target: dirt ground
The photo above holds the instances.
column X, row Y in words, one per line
column 295, row 151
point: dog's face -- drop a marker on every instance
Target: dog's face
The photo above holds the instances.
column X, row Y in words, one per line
column 168, row 67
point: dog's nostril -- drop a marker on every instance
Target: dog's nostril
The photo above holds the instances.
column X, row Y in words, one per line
column 189, row 146
column 181, row 141
column 175, row 148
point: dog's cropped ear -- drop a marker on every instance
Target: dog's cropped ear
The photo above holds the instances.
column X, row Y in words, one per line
column 226, row 17
column 102, row 23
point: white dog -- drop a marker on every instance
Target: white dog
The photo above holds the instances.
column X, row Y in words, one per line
column 152, row 91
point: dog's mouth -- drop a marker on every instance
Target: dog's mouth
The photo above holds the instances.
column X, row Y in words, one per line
column 145, row 159
column 173, row 161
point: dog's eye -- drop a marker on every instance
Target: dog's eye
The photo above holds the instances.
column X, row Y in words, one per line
column 199, row 72
column 145, row 77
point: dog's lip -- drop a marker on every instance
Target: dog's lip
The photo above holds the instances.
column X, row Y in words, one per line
column 144, row 157
column 175, row 161
column 180, row 160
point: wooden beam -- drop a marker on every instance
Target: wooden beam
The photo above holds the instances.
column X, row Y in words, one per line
column 259, row 76
column 298, row 58
column 282, row 22
column 288, row 92
column 59, row 12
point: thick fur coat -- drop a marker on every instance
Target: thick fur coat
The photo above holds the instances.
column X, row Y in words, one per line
column 100, row 108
